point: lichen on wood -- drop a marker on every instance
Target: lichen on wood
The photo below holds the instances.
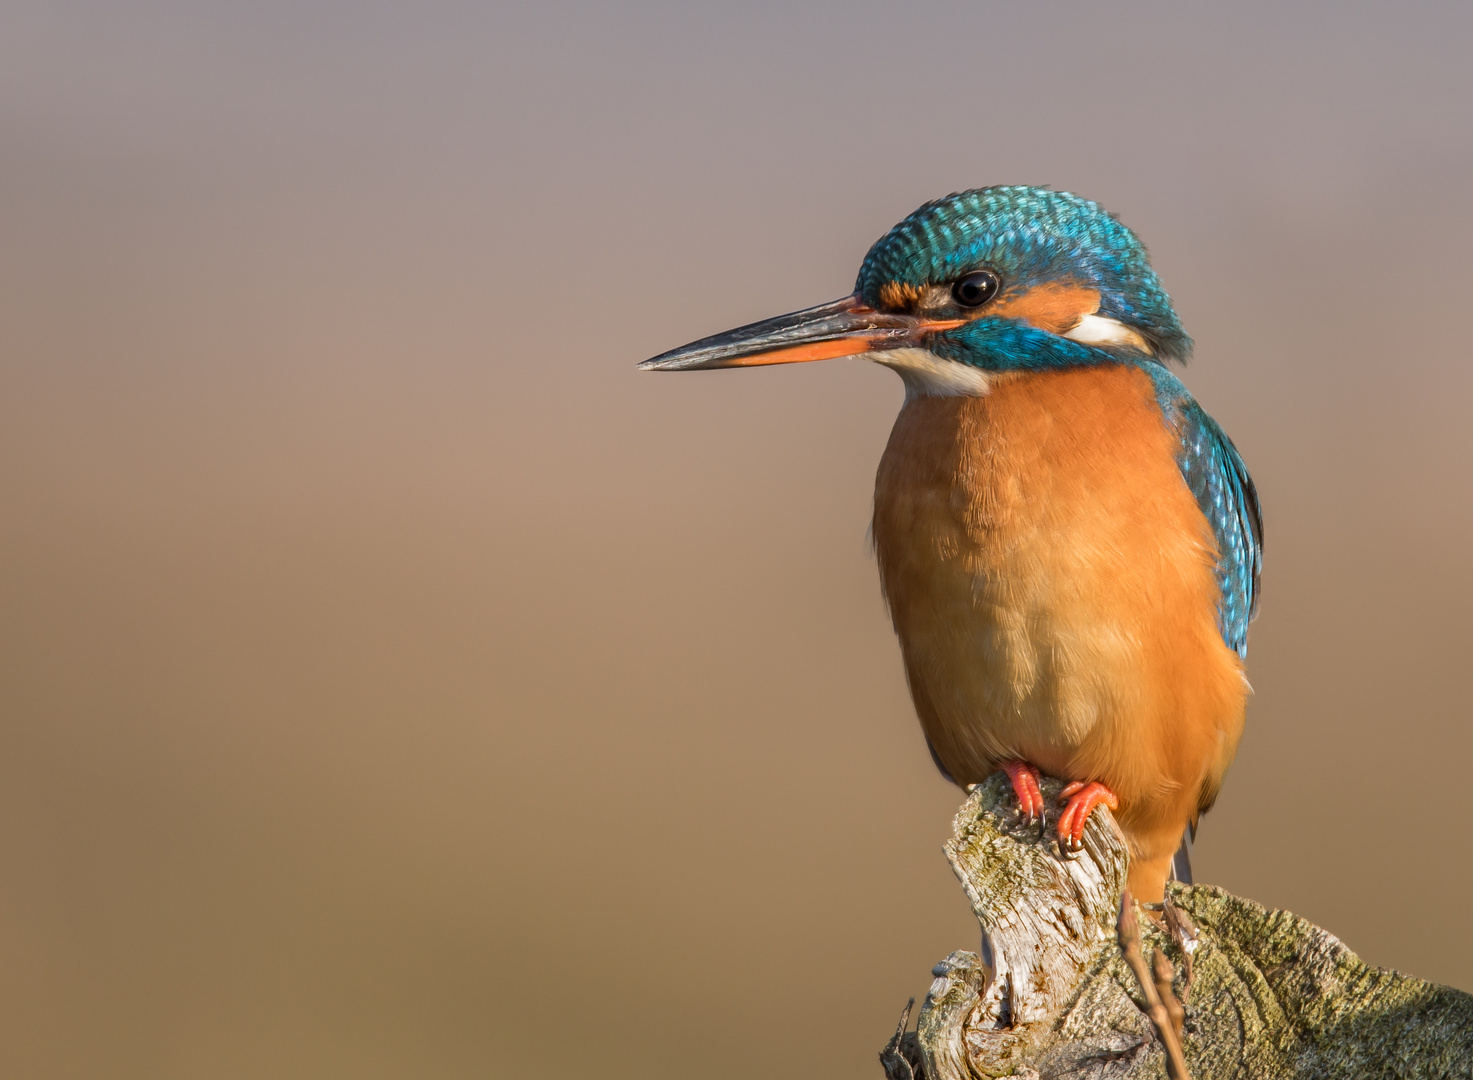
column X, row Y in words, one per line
column 1265, row 994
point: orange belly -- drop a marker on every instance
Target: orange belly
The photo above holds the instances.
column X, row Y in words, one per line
column 1051, row 581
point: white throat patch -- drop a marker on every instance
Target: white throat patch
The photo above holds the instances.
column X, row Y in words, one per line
column 928, row 375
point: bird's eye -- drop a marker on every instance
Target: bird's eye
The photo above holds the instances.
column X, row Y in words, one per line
column 975, row 289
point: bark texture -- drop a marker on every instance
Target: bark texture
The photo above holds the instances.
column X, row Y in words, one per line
column 1265, row 993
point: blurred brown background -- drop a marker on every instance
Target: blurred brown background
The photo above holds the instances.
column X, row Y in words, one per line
column 397, row 684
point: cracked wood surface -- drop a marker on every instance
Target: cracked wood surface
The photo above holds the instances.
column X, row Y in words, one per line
column 1048, row 995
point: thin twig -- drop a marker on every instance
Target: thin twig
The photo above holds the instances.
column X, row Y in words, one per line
column 898, row 1064
column 1130, row 946
column 1164, row 975
column 1184, row 931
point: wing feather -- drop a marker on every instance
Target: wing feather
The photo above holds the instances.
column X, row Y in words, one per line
column 1214, row 471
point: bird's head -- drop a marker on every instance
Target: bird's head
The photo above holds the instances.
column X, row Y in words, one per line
column 998, row 279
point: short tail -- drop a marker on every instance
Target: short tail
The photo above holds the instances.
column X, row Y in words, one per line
column 1181, row 862
column 935, row 757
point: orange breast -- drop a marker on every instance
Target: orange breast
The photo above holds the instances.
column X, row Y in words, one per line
column 1051, row 581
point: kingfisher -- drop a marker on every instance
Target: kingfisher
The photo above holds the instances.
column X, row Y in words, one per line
column 1068, row 544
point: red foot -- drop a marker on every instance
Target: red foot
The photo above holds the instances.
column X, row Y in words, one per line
column 1025, row 785
column 1082, row 799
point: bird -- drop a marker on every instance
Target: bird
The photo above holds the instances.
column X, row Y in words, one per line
column 1069, row 545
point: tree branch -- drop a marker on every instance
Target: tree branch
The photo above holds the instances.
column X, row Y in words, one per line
column 1050, row 994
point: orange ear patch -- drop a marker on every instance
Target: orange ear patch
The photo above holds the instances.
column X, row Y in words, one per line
column 895, row 296
column 1055, row 306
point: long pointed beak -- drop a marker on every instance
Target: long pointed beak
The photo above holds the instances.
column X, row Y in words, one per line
column 843, row 328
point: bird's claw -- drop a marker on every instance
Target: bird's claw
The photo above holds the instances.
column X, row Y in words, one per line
column 1025, row 778
column 1080, row 798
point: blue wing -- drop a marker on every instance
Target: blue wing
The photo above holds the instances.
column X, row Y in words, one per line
column 1220, row 482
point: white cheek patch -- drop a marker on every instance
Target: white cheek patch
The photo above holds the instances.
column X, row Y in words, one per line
column 1099, row 330
column 927, row 375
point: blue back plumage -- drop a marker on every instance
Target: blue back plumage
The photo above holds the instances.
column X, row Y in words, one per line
column 1224, row 491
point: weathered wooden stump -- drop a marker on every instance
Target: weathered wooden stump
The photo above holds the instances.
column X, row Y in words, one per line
column 1265, row 993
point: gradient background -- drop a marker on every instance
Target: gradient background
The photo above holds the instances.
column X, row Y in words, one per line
column 396, row 683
